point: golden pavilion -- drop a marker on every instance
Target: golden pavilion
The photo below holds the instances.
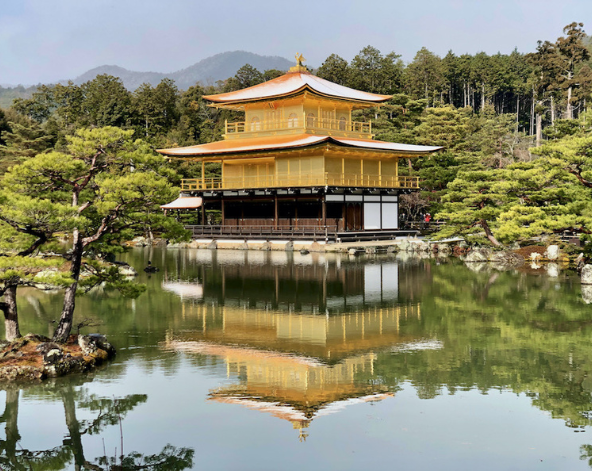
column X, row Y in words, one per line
column 298, row 165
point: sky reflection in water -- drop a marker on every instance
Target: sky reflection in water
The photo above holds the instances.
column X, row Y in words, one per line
column 259, row 360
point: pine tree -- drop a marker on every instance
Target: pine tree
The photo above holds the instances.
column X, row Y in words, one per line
column 113, row 186
column 445, row 126
column 25, row 139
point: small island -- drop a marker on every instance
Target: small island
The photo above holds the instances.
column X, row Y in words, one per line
column 34, row 357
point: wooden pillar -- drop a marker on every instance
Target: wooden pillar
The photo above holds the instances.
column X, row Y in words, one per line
column 223, row 212
column 344, row 215
column 324, row 210
column 296, row 213
column 203, row 212
column 203, row 174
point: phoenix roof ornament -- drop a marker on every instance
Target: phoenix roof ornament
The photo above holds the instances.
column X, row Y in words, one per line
column 299, row 59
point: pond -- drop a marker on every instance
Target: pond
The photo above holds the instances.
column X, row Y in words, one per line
column 247, row 360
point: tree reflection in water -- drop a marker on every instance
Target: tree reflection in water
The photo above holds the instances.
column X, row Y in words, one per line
column 110, row 412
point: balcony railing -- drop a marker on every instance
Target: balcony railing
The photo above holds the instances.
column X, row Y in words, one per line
column 268, row 231
column 295, row 181
column 299, row 124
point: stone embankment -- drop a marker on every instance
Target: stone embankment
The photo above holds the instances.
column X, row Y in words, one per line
column 35, row 357
column 263, row 245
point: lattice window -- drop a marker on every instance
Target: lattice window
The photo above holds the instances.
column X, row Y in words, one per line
column 292, row 120
column 255, row 124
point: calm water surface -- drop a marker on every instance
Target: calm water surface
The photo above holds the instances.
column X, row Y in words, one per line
column 238, row 360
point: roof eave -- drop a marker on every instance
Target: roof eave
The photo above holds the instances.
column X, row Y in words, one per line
column 304, row 88
column 326, row 140
column 234, row 151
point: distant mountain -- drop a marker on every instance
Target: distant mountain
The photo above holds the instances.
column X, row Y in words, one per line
column 224, row 65
column 130, row 79
column 207, row 71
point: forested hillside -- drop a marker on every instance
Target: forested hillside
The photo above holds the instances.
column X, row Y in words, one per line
column 9, row 94
column 207, row 71
column 515, row 128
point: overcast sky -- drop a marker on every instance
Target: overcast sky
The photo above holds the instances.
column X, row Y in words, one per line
column 49, row 40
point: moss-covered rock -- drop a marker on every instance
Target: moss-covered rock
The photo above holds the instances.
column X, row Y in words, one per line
column 35, row 357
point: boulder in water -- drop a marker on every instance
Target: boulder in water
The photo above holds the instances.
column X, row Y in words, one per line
column 579, row 262
column 506, row 260
column 552, row 252
column 478, row 256
column 587, row 275
column 356, row 251
column 126, row 270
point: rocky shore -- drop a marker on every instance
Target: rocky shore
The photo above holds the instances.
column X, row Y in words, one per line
column 35, row 357
column 551, row 258
column 543, row 257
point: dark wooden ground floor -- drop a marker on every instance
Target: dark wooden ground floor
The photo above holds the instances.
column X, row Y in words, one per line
column 325, row 213
column 338, row 210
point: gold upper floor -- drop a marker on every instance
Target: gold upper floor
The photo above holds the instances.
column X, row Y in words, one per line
column 303, row 114
column 325, row 166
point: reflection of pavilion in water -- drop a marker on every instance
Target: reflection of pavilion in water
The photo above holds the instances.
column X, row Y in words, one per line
column 301, row 340
column 285, row 281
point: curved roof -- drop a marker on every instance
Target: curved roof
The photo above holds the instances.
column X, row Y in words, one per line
column 291, row 141
column 292, row 83
column 183, row 202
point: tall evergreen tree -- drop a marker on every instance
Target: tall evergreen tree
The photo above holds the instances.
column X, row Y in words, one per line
column 335, row 69
column 68, row 101
column 424, row 77
column 106, row 102
column 26, row 139
column 370, row 71
column 4, row 127
column 572, row 52
column 247, row 76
